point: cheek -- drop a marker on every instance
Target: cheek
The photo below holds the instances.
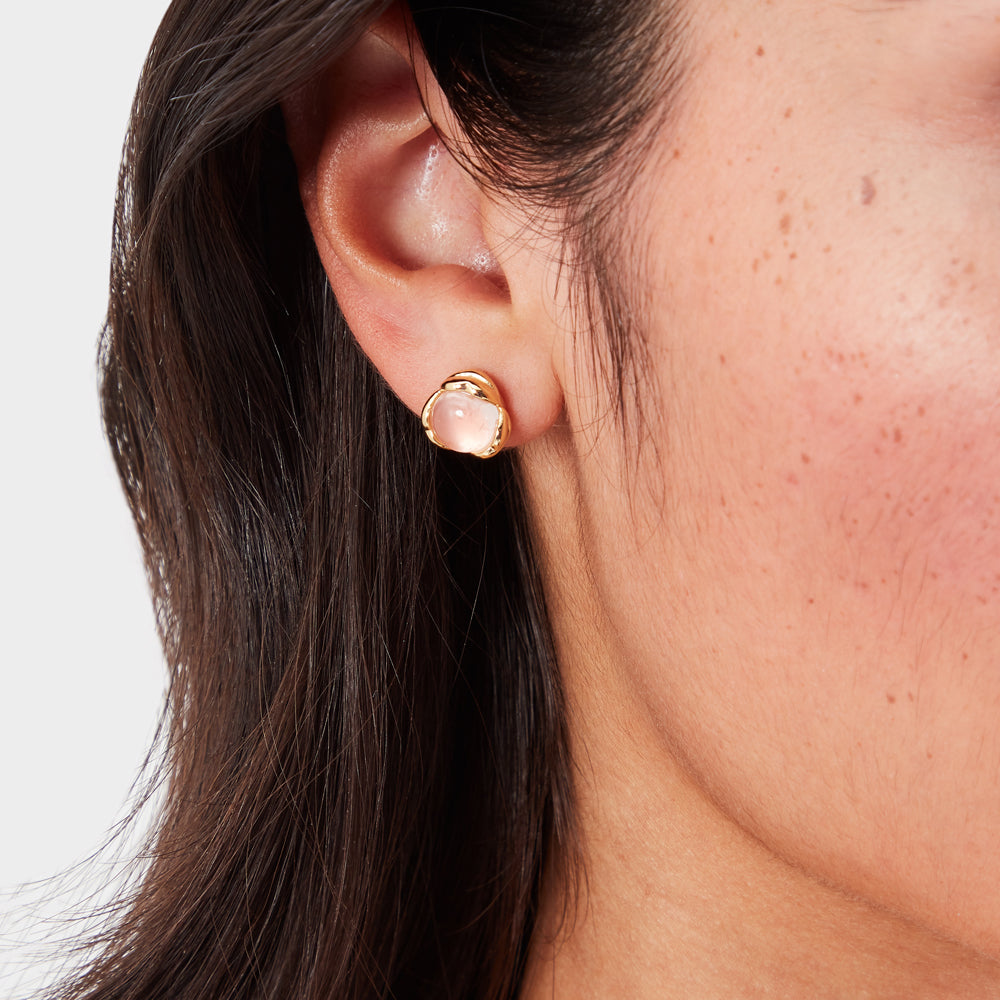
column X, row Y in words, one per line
column 896, row 473
column 823, row 539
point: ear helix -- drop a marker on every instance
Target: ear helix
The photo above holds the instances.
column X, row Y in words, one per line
column 467, row 414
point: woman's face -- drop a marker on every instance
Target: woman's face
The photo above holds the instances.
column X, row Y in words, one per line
column 807, row 585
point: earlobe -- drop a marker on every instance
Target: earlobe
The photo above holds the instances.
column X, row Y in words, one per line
column 399, row 226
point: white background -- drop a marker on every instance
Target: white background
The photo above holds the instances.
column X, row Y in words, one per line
column 81, row 670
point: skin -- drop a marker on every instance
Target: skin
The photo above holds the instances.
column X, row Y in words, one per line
column 800, row 601
column 780, row 639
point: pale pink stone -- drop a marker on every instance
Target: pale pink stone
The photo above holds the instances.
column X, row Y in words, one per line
column 463, row 422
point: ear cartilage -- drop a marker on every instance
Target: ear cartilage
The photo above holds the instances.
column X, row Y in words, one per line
column 467, row 414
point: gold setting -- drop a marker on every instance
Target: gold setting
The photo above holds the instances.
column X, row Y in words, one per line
column 481, row 387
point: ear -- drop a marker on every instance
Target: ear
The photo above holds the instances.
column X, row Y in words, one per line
column 409, row 240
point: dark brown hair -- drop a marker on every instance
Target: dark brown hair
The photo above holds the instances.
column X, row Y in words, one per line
column 367, row 756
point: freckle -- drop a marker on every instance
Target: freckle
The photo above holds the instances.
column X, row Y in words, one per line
column 805, row 459
column 722, row 501
column 792, row 478
column 711, row 238
column 965, row 656
column 756, row 264
column 778, row 280
column 677, row 154
column 909, row 695
column 897, row 435
column 788, row 112
column 888, row 496
column 812, row 600
column 867, row 190
column 793, row 256
column 920, row 411
column 827, row 248
column 722, row 359
column 891, row 698
column 782, row 195
column 858, row 399
column 786, row 223
column 883, row 432
column 760, row 50
column 930, row 756
column 969, row 268
column 766, row 254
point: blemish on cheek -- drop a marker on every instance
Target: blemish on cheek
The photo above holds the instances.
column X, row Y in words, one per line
column 805, row 459
column 782, row 195
column 760, row 50
column 786, row 223
column 868, row 191
column 897, row 435
column 891, row 698
column 788, row 112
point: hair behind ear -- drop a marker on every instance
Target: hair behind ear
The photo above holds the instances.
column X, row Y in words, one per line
column 366, row 756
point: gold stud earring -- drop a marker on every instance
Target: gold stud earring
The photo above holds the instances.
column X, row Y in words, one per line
column 466, row 414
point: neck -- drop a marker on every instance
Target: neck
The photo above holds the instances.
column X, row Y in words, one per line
column 674, row 898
